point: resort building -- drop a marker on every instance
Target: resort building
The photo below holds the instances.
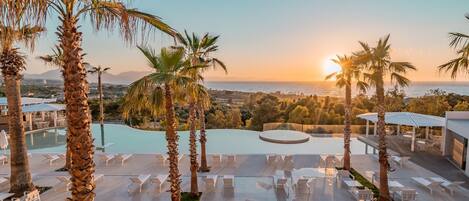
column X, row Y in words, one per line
column 455, row 139
column 38, row 113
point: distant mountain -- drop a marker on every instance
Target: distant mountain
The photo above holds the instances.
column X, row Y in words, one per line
column 124, row 78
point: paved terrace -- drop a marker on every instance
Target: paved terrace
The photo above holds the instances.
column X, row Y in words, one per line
column 430, row 159
column 253, row 179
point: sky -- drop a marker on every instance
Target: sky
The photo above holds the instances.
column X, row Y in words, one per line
column 278, row 40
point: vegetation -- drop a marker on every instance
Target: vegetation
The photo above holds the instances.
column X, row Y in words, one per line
column 103, row 14
column 14, row 29
column 349, row 72
column 364, row 182
column 100, row 70
column 376, row 61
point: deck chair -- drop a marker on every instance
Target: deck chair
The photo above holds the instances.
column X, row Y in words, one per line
column 98, row 177
column 231, row 160
column 362, row 194
column 51, row 157
column 4, row 181
column 405, row 195
column 4, row 159
column 124, row 157
column 140, row 180
column 107, row 158
column 64, row 180
column 228, row 181
column 400, row 160
column 210, row 182
column 271, row 159
column 448, row 185
column 302, row 187
column 161, row 159
column 430, row 185
column 216, row 160
column 158, row 181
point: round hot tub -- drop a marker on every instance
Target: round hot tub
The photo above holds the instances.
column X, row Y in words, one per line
column 284, row 136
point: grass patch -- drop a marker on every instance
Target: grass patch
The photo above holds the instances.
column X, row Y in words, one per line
column 360, row 178
column 186, row 196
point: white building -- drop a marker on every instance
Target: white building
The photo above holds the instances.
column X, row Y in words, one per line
column 455, row 139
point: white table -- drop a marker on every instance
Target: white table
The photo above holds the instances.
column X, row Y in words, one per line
column 352, row 183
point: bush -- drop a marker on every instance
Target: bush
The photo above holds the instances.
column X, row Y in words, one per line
column 360, row 178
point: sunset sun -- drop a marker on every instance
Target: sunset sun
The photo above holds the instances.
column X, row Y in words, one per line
column 329, row 66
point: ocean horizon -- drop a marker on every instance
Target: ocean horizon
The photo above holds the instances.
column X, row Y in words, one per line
column 327, row 88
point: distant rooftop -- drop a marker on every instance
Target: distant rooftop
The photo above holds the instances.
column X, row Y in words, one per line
column 407, row 118
column 29, row 101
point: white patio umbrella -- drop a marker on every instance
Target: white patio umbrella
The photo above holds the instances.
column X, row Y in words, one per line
column 3, row 140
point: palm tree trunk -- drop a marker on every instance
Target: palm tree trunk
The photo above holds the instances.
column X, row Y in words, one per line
column 383, row 157
column 20, row 180
column 101, row 109
column 77, row 111
column 203, row 140
column 347, row 130
column 172, row 138
column 193, row 149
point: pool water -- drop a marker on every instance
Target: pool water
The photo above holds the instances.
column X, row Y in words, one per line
column 125, row 139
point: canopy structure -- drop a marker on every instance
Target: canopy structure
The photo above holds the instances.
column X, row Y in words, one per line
column 43, row 107
column 407, row 119
column 29, row 101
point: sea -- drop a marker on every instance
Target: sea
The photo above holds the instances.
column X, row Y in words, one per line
column 325, row 88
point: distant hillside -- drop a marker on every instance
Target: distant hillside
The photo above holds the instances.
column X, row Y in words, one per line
column 121, row 78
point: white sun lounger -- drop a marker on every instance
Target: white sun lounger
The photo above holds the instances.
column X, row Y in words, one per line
column 228, row 181
column 51, row 158
column 64, row 180
column 430, row 185
column 216, row 160
column 448, row 185
column 139, row 181
column 405, row 195
column 302, row 187
column 400, row 160
column 231, row 160
column 271, row 159
column 161, row 159
column 98, row 177
column 29, row 196
column 210, row 182
column 159, row 181
column 4, row 196
column 124, row 157
column 362, row 195
column 4, row 181
column 107, row 157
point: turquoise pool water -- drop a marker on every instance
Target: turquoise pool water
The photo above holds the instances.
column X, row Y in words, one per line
column 223, row 141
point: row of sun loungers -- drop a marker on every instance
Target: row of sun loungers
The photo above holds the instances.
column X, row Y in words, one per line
column 106, row 158
column 437, row 183
column 65, row 180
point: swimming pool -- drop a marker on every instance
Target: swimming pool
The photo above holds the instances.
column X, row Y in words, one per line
column 224, row 141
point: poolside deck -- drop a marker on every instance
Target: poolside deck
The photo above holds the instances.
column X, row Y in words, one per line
column 253, row 179
column 430, row 159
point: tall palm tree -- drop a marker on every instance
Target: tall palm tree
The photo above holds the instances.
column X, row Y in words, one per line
column 103, row 14
column 460, row 42
column 13, row 30
column 156, row 93
column 349, row 70
column 198, row 50
column 100, row 70
column 377, row 63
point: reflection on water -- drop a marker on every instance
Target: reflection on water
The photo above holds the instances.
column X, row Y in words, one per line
column 45, row 139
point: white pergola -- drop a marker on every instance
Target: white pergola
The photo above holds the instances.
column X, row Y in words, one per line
column 407, row 119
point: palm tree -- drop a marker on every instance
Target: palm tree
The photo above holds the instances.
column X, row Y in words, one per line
column 460, row 42
column 344, row 78
column 377, row 63
column 156, row 93
column 15, row 30
column 103, row 14
column 198, row 50
column 99, row 70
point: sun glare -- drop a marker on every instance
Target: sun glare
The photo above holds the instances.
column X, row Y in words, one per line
column 330, row 67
